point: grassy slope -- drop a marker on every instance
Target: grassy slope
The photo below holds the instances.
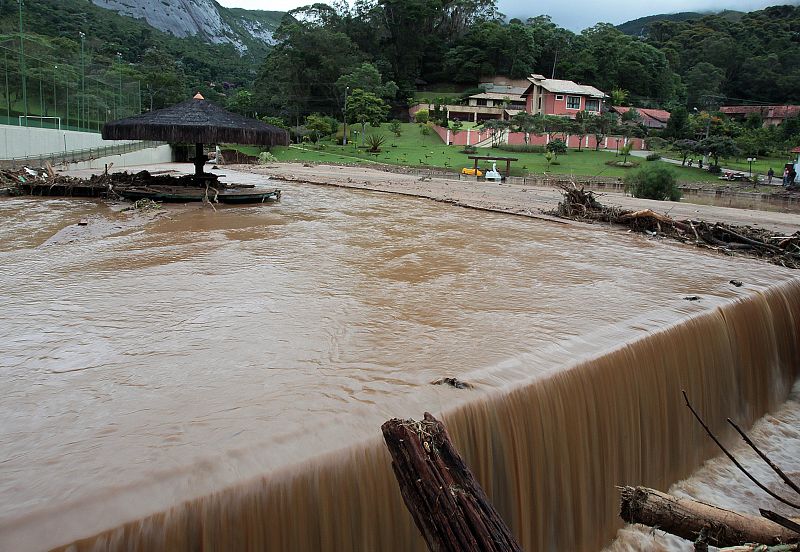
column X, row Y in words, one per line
column 415, row 150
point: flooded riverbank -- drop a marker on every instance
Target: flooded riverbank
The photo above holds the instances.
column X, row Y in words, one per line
column 219, row 369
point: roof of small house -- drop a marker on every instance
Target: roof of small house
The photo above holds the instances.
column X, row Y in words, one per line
column 497, row 96
column 559, row 86
column 657, row 115
column 766, row 111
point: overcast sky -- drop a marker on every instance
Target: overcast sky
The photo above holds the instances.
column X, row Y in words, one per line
column 574, row 14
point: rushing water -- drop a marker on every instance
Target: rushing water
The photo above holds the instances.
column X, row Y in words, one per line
column 217, row 380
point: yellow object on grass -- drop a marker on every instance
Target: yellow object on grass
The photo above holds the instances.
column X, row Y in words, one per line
column 471, row 172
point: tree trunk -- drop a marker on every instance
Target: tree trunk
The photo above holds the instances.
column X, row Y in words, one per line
column 687, row 518
column 449, row 507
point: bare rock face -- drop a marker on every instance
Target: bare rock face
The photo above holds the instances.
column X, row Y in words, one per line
column 205, row 18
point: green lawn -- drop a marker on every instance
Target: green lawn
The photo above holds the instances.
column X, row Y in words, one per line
column 414, row 149
column 760, row 166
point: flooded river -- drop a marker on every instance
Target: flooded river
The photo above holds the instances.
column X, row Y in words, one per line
column 218, row 379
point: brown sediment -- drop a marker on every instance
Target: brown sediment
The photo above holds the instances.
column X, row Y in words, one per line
column 528, row 200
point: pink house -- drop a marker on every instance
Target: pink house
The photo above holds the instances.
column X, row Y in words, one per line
column 561, row 97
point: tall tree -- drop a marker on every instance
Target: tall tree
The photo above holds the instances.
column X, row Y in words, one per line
column 366, row 108
column 367, row 77
column 299, row 75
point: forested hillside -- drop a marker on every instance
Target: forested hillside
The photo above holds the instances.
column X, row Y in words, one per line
column 118, row 53
column 641, row 26
column 700, row 62
column 389, row 48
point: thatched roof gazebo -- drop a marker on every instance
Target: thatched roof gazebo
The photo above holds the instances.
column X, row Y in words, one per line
column 196, row 121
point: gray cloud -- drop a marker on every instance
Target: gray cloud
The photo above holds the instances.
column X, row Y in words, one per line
column 580, row 14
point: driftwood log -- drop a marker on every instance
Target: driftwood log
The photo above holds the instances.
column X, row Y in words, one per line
column 448, row 505
column 689, row 519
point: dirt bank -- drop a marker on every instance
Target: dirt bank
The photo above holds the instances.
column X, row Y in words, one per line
column 508, row 198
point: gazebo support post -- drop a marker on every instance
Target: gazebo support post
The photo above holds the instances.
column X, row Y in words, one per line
column 199, row 159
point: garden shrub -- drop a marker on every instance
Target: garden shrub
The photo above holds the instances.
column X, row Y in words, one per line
column 266, row 157
column 653, row 182
column 522, row 148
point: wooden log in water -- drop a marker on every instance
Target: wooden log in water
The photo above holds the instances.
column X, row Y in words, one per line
column 688, row 518
column 448, row 505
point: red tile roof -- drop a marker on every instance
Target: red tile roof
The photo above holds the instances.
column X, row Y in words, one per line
column 796, row 150
column 766, row 111
column 658, row 115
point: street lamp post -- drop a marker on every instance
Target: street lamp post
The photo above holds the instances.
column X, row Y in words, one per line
column 119, row 71
column 22, row 65
column 751, row 160
column 55, row 99
column 8, row 92
column 344, row 111
column 82, row 104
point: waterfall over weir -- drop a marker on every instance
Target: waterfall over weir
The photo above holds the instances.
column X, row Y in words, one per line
column 549, row 452
column 217, row 380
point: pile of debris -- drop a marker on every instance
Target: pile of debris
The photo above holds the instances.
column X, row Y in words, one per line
column 581, row 204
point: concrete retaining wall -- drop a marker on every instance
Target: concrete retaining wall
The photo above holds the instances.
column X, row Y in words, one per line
column 16, row 141
column 149, row 156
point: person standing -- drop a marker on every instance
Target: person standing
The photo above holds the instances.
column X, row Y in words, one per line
column 792, row 176
column 770, row 174
column 786, row 176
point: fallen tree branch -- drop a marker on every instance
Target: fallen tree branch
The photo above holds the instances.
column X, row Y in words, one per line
column 448, row 505
column 783, row 521
column 581, row 204
column 765, row 458
column 688, row 519
column 736, row 462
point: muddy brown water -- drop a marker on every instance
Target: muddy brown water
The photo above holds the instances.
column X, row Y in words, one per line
column 217, row 380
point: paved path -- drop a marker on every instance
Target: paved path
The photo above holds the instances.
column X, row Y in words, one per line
column 776, row 181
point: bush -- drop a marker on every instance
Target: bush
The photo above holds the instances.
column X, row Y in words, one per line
column 266, row 157
column 656, row 142
column 340, row 135
column 622, row 164
column 714, row 169
column 470, row 150
column 395, row 127
column 653, row 157
column 422, row 116
column 522, row 148
column 375, row 141
column 557, row 146
column 653, row 182
column 425, row 130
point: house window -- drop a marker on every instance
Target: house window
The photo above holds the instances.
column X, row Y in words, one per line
column 592, row 105
column 573, row 102
column 559, row 98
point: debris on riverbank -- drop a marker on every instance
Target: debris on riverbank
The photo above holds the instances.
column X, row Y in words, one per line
column 581, row 204
column 157, row 186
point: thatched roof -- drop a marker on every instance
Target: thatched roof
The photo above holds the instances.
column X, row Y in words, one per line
column 195, row 121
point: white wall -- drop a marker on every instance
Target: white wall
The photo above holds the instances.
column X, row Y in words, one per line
column 16, row 141
column 149, row 156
